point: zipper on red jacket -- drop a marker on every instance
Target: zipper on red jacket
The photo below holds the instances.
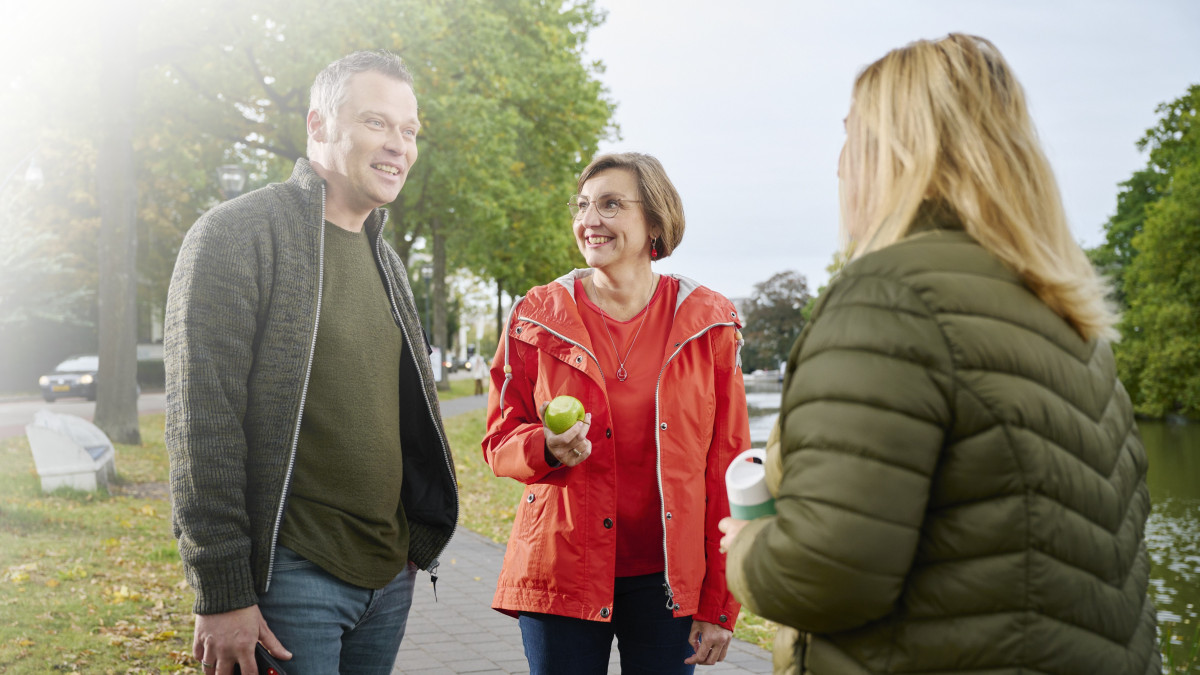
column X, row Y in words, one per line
column 662, row 500
column 312, row 348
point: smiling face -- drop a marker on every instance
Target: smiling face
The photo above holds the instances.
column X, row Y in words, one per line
column 621, row 240
column 365, row 152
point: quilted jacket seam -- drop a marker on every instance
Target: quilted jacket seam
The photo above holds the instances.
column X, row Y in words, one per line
column 1085, row 361
column 873, row 458
column 1043, row 387
column 1026, row 537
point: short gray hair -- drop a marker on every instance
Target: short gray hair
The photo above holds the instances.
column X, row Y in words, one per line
column 329, row 89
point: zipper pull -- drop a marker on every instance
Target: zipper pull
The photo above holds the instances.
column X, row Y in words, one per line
column 433, row 577
column 670, row 595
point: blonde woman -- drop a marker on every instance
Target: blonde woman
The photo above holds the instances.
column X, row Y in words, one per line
column 962, row 486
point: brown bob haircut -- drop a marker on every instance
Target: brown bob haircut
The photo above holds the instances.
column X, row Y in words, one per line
column 660, row 200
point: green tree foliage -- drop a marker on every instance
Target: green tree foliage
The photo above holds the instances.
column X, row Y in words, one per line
column 32, row 268
column 774, row 318
column 1167, row 148
column 1155, row 248
column 1113, row 257
column 510, row 110
column 839, row 260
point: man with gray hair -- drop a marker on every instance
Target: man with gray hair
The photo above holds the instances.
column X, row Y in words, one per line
column 310, row 473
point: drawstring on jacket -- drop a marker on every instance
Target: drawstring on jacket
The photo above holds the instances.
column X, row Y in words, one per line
column 507, row 368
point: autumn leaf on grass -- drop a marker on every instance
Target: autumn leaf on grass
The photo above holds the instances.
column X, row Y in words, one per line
column 119, row 595
column 76, row 572
column 19, row 574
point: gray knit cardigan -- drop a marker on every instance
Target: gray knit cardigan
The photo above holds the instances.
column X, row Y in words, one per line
column 242, row 312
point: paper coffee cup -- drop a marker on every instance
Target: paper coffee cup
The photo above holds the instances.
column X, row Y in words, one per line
column 746, row 483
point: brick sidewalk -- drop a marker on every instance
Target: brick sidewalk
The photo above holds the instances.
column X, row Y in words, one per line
column 461, row 633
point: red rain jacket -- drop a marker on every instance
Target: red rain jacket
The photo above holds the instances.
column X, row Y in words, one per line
column 561, row 556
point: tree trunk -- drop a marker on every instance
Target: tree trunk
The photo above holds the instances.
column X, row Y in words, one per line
column 440, row 336
column 116, row 388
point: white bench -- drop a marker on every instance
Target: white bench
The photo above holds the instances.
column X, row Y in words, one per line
column 70, row 451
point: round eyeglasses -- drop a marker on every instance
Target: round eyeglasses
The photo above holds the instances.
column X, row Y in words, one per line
column 607, row 207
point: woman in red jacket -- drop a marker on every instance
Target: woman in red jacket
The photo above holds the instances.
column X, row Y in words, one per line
column 616, row 534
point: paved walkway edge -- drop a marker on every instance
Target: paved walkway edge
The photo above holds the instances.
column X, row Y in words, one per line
column 461, row 633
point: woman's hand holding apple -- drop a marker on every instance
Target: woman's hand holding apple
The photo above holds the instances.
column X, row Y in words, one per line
column 565, row 426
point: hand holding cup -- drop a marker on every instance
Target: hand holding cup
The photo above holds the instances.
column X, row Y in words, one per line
column 749, row 497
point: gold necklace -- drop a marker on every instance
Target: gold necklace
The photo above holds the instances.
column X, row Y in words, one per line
column 621, row 372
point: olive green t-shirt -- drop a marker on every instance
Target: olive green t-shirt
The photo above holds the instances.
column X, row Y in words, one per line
column 344, row 511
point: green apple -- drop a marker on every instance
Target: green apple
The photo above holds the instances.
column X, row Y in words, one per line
column 563, row 412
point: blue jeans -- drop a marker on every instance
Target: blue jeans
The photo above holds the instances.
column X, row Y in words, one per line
column 651, row 641
column 331, row 626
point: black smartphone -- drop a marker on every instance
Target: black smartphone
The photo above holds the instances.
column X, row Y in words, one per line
column 267, row 665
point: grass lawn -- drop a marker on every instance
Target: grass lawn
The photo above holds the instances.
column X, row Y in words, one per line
column 91, row 582
column 458, row 388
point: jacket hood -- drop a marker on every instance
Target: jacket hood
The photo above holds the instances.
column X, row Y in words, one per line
column 555, row 307
column 722, row 310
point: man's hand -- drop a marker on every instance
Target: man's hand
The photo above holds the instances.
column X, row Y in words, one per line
column 225, row 640
column 710, row 642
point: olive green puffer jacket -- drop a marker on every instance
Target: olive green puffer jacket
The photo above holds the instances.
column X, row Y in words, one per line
column 963, row 486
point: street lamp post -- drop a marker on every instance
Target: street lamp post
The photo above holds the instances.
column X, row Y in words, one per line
column 232, row 180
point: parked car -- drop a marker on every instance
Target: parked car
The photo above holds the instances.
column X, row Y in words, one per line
column 75, row 376
column 453, row 363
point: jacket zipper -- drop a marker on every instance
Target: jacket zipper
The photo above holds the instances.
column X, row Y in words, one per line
column 312, row 348
column 433, row 567
column 662, row 501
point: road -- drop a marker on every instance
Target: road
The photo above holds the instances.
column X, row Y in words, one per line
column 15, row 414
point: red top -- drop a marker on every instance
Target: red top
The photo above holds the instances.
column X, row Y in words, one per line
column 639, row 527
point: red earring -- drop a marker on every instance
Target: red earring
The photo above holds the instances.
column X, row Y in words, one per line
column 654, row 248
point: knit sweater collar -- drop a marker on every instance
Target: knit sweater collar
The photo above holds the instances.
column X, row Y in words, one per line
column 305, row 179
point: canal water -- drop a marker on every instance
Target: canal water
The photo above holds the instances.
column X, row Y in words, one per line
column 1172, row 532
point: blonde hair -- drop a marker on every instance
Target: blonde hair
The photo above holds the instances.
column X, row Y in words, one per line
column 945, row 124
column 660, row 200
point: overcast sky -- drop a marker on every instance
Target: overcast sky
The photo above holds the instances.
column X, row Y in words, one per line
column 743, row 103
